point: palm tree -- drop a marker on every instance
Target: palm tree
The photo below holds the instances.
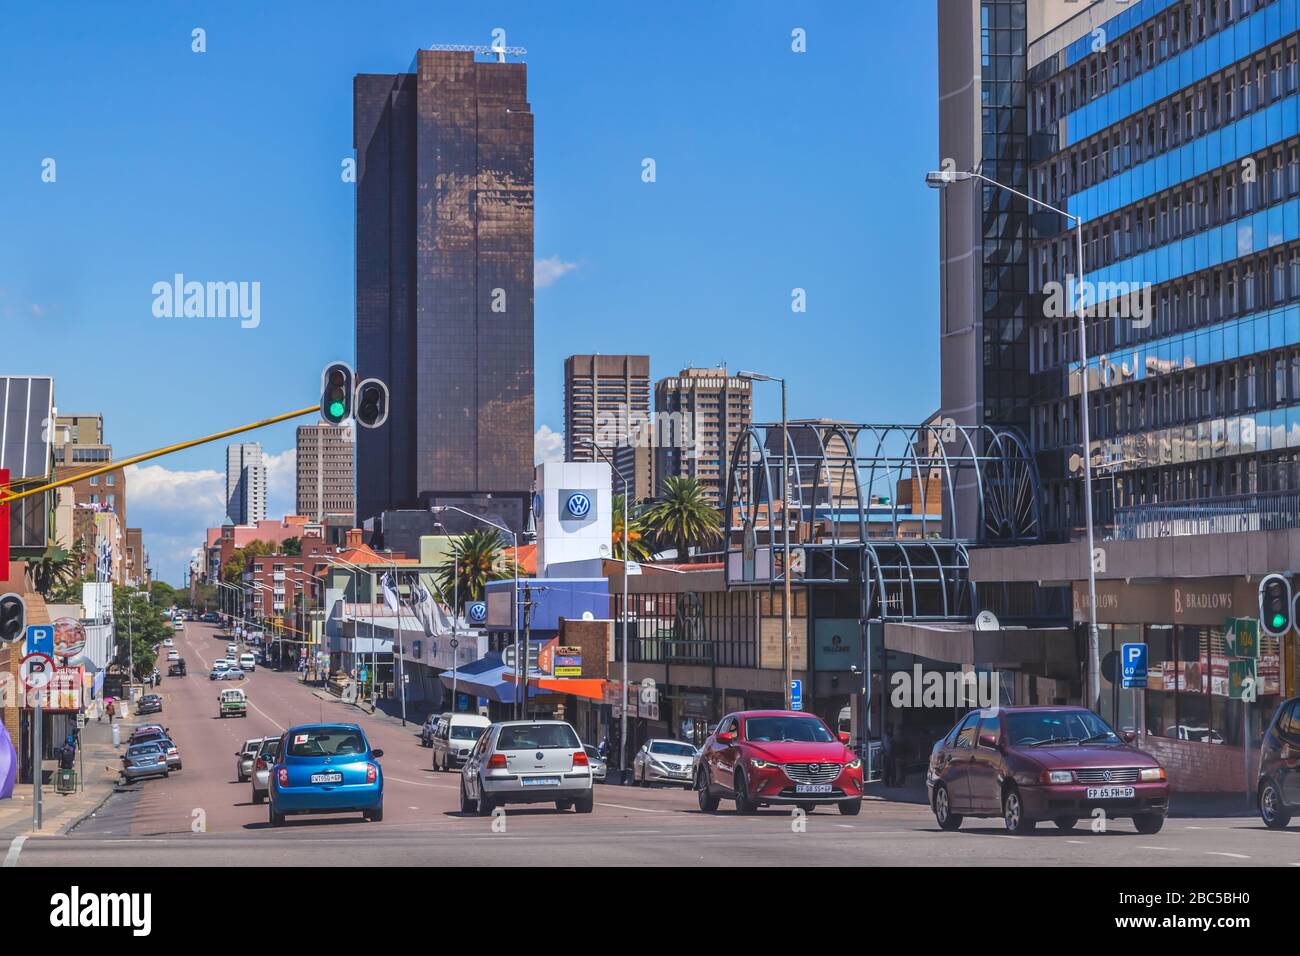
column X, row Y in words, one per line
column 479, row 557
column 683, row 517
column 636, row 546
column 55, row 568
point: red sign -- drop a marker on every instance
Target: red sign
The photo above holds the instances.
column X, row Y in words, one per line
column 4, row 523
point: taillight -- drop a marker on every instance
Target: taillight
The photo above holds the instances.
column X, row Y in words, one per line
column 580, row 758
column 497, row 762
column 261, row 764
column 372, row 773
column 283, row 776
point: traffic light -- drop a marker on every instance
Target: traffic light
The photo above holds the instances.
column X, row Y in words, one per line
column 13, row 618
column 372, row 403
column 1275, row 605
column 336, row 393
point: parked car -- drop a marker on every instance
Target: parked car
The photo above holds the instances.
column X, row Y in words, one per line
column 454, row 736
column 665, row 761
column 265, row 760
column 155, row 735
column 426, row 729
column 599, row 769
column 527, row 761
column 778, row 757
column 1029, row 764
column 149, row 704
column 245, row 757
column 172, row 752
column 326, row 768
column 1278, row 789
column 144, row 760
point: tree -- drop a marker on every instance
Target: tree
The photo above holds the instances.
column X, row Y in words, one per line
column 56, row 568
column 636, row 546
column 139, row 627
column 479, row 557
column 682, row 517
column 291, row 547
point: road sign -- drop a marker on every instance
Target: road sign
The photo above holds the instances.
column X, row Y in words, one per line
column 796, row 694
column 1133, row 664
column 36, row 671
column 40, row 639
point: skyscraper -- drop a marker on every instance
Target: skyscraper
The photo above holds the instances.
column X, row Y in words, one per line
column 325, row 463
column 245, row 483
column 699, row 414
column 607, row 401
column 445, row 284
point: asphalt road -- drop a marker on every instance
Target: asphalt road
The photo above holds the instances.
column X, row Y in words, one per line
column 203, row 817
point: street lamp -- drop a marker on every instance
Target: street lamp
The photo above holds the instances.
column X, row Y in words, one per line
column 787, row 623
column 622, row 735
column 941, row 179
column 440, row 509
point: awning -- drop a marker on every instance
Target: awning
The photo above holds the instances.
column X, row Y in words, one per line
column 592, row 688
column 486, row 677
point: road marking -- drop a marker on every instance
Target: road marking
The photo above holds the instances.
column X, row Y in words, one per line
column 846, row 826
column 16, row 847
column 1170, row 849
column 1235, row 856
column 417, row 783
column 264, row 714
column 1080, row 842
column 621, row 806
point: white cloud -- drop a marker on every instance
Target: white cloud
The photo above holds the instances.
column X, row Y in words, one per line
column 548, row 271
column 153, row 488
column 548, row 445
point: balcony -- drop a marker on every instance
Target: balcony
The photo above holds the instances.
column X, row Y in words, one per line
column 1263, row 511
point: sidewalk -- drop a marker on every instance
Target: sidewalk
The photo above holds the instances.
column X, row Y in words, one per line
column 59, row 812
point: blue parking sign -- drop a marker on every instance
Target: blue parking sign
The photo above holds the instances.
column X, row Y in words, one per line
column 1133, row 666
column 796, row 694
column 40, row 639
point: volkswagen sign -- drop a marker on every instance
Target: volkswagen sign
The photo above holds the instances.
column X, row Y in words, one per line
column 579, row 504
column 478, row 612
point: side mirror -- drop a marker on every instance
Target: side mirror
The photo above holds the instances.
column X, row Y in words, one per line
column 377, row 753
column 844, row 737
column 1128, row 736
column 989, row 740
column 726, row 737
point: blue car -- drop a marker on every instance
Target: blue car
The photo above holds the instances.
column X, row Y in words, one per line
column 326, row 768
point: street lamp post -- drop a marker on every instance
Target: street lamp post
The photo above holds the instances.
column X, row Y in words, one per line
column 941, row 179
column 787, row 621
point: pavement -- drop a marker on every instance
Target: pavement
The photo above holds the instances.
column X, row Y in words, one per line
column 202, row 816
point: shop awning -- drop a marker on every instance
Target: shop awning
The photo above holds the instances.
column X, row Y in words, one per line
column 486, row 677
column 592, row 688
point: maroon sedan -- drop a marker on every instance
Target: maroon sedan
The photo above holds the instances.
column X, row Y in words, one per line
column 778, row 757
column 1027, row 764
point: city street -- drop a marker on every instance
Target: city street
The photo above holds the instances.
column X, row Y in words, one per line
column 201, row 816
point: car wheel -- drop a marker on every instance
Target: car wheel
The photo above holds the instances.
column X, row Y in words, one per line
column 485, row 807
column 277, row 819
column 1013, row 813
column 1271, row 808
column 743, row 802
column 375, row 816
column 1148, row 823
column 585, row 803
column 1065, row 823
column 563, row 805
column 943, row 814
column 466, row 804
column 708, row 801
column 851, row 808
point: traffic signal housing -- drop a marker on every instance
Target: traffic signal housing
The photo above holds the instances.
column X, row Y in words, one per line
column 1275, row 608
column 372, row 403
column 13, row 618
column 336, row 393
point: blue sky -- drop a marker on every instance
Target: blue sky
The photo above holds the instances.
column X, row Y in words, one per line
column 775, row 171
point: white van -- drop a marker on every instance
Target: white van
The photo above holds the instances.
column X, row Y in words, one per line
column 248, row 662
column 454, row 736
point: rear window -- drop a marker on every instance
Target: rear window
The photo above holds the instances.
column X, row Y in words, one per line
column 137, row 750
column 465, row 732
column 270, row 749
column 538, row 737
column 327, row 742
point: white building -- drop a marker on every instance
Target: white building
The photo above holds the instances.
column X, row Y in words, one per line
column 245, row 484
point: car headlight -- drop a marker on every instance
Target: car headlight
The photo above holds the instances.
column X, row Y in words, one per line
column 855, row 764
column 1058, row 776
column 1152, row 774
column 760, row 764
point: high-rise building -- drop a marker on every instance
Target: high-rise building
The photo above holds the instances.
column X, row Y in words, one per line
column 607, row 401
column 445, row 284
column 699, row 414
column 325, row 463
column 245, row 483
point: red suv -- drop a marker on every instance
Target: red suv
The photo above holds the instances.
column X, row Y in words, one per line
column 768, row 757
column 1026, row 764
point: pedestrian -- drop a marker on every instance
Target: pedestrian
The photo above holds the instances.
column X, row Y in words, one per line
column 603, row 748
column 68, row 753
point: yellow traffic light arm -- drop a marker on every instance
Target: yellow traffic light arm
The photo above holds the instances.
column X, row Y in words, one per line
column 8, row 496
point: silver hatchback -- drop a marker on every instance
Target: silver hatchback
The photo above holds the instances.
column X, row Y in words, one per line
column 265, row 759
column 527, row 761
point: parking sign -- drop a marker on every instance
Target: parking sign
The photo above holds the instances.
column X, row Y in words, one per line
column 1133, row 666
column 40, row 639
column 796, row 694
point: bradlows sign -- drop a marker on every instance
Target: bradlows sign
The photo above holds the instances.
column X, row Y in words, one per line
column 1191, row 601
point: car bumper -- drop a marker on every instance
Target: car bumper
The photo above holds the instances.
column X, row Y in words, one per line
column 653, row 774
column 1046, row 802
column 326, row 799
column 135, row 773
column 773, row 786
column 509, row 788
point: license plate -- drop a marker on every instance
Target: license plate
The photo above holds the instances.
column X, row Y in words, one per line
column 1110, row 793
column 812, row 788
column 327, row 778
column 540, row 781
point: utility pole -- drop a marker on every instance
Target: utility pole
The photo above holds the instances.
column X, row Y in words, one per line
column 528, row 622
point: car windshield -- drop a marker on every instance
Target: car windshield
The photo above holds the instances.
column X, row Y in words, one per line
column 270, row 749
column 538, row 737
column 770, row 729
column 1046, row 727
column 463, row 732
column 139, row 750
column 672, row 749
column 327, row 742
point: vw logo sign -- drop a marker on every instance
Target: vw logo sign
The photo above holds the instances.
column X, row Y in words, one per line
column 579, row 504
column 540, row 755
column 477, row 611
column 1106, row 775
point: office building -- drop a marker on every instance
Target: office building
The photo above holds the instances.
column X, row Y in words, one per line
column 325, row 464
column 245, row 483
column 607, row 401
column 445, row 284
column 699, row 414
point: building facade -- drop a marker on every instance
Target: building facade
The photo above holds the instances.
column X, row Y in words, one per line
column 326, row 471
column 607, row 401
column 699, row 414
column 245, row 483
column 445, row 284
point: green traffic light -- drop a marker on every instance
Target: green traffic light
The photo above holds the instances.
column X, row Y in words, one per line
column 337, row 409
column 1278, row 621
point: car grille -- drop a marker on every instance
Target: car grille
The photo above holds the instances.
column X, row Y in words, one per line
column 813, row 772
column 1108, row 775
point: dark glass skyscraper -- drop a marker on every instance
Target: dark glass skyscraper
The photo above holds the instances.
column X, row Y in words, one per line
column 445, row 284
